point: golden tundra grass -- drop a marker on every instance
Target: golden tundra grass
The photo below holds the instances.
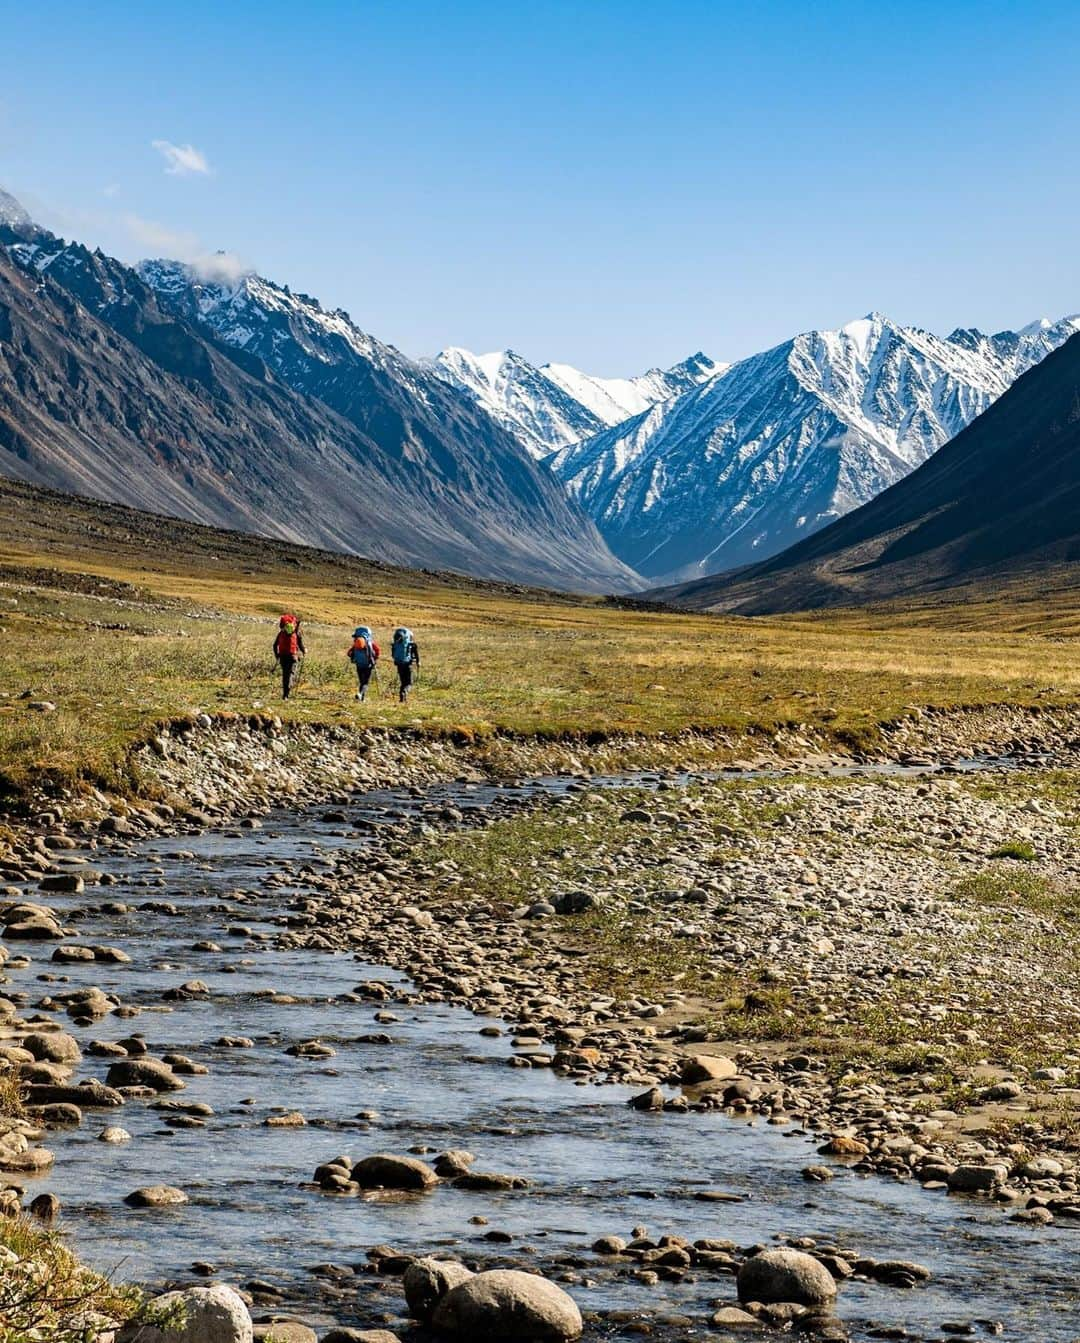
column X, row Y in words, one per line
column 46, row 1294
column 195, row 633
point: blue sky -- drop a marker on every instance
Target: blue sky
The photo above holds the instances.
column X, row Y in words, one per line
column 608, row 184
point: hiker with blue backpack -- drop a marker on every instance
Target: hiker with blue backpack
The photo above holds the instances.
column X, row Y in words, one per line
column 406, row 654
column 364, row 655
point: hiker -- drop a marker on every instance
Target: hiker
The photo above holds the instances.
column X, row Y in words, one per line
column 288, row 649
column 406, row 654
column 363, row 654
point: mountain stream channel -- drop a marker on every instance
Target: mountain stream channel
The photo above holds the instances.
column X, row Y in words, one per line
column 595, row 1167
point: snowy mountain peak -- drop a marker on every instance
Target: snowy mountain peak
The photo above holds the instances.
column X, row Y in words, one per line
column 12, row 213
column 555, row 405
column 776, row 446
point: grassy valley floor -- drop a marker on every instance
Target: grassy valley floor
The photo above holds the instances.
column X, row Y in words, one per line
column 122, row 620
column 886, row 961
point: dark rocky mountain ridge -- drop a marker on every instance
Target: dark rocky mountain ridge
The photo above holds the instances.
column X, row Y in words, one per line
column 107, row 391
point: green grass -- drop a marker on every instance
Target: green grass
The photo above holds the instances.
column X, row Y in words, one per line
column 47, row 1295
column 1014, row 888
column 1021, row 850
column 121, row 638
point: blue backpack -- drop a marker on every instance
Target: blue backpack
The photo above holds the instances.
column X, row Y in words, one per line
column 362, row 653
column 401, row 648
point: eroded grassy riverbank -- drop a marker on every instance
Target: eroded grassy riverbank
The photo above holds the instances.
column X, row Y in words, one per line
column 121, row 621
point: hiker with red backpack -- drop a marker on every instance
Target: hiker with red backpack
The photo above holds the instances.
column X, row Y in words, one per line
column 364, row 654
column 288, row 649
column 406, row 654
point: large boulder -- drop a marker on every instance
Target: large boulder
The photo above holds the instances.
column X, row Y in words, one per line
column 33, row 928
column 786, row 1275
column 87, row 1095
column 972, row 1179
column 508, row 1306
column 214, row 1314
column 143, row 1073
column 53, row 1047
column 427, row 1281
column 702, row 1068
column 386, row 1171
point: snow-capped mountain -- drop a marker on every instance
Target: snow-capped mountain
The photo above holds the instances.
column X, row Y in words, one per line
column 12, row 213
column 995, row 509
column 549, row 407
column 774, row 447
column 223, row 398
column 475, row 481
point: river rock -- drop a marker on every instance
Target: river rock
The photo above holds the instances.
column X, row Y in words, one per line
column 653, row 1099
column 58, row 1116
column 706, row 1068
column 345, row 1335
column 214, row 1314
column 155, row 1196
column 971, row 1179
column 508, row 1306
column 30, row 1161
column 284, row 1331
column 72, row 954
column 452, row 1163
column 786, row 1275
column 427, row 1281
column 487, row 1181
column 53, row 1047
column 1041, row 1168
column 114, row 1134
column 87, row 1095
column 70, row 883
column 143, row 1072
column 46, row 1207
column 731, row 1317
column 35, row 928
column 386, row 1171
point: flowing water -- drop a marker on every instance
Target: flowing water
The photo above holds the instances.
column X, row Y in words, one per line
column 595, row 1166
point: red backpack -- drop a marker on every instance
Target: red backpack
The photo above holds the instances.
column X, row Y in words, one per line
column 288, row 640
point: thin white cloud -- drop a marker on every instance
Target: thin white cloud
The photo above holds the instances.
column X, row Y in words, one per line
column 220, row 267
column 159, row 240
column 181, row 160
column 216, row 267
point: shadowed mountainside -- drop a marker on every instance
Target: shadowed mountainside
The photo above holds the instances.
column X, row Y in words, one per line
column 104, row 393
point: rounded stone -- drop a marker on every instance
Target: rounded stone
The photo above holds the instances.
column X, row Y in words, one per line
column 386, row 1171
column 508, row 1306
column 155, row 1196
column 143, row 1072
column 427, row 1281
column 786, row 1275
column 214, row 1314
column 53, row 1047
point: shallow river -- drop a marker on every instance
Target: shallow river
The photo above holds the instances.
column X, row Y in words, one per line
column 595, row 1166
